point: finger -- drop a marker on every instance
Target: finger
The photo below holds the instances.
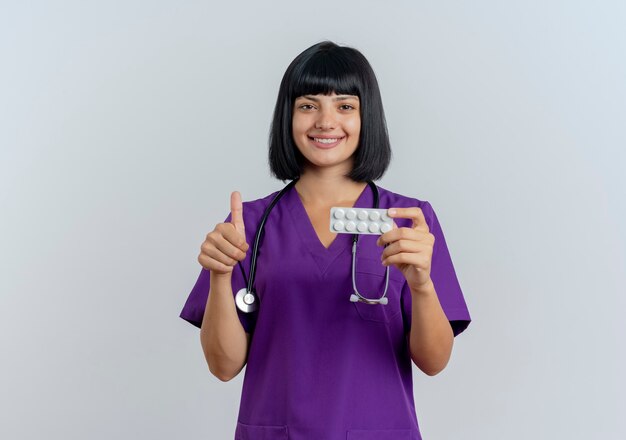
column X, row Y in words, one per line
column 213, row 265
column 414, row 213
column 224, row 251
column 393, row 226
column 400, row 233
column 417, row 260
column 400, row 246
column 236, row 211
column 219, row 256
column 232, row 236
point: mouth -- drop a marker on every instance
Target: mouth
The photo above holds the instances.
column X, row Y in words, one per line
column 325, row 142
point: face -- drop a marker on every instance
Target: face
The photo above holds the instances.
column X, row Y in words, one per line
column 326, row 129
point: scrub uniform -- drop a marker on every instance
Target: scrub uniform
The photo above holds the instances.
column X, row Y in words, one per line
column 321, row 367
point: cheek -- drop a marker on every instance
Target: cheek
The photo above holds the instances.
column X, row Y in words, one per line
column 353, row 127
column 298, row 132
column 298, row 126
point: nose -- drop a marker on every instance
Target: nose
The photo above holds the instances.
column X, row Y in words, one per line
column 325, row 121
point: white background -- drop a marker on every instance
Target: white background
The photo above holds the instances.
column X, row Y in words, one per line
column 125, row 125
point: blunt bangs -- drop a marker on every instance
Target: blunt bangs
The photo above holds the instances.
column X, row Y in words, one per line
column 327, row 68
column 325, row 74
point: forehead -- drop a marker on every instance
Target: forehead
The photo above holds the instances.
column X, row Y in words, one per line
column 332, row 97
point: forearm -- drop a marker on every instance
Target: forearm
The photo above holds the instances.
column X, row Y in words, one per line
column 431, row 337
column 223, row 339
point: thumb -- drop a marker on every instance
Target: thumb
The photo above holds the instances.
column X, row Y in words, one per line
column 236, row 211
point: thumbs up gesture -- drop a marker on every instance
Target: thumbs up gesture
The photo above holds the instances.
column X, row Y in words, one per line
column 226, row 244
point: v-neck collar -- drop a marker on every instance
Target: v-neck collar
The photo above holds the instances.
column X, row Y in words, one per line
column 305, row 230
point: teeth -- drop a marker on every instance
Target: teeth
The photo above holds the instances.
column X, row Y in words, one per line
column 325, row 141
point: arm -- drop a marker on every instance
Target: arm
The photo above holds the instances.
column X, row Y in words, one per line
column 431, row 337
column 410, row 249
column 224, row 341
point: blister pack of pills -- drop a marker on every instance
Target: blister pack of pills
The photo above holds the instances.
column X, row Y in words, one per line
column 360, row 221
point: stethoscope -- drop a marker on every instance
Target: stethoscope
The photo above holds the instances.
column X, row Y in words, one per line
column 246, row 298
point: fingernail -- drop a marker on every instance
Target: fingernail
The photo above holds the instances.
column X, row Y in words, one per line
column 392, row 211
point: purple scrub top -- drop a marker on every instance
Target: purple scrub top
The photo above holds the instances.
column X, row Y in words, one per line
column 321, row 367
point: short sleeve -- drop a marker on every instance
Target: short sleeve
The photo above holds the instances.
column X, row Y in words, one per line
column 444, row 279
column 193, row 310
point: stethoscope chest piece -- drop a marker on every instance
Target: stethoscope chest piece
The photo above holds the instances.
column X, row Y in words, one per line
column 246, row 301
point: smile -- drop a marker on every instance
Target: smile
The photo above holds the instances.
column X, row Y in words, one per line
column 326, row 142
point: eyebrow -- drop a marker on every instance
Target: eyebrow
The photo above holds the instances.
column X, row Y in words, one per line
column 338, row 98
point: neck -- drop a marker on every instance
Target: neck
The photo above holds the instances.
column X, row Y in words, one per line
column 328, row 189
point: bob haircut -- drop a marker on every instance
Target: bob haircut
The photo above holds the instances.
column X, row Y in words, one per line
column 325, row 68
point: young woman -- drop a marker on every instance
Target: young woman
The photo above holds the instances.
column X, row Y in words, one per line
column 323, row 362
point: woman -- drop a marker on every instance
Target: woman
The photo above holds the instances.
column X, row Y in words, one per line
column 320, row 366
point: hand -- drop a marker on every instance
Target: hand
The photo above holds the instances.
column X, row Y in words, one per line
column 226, row 244
column 410, row 249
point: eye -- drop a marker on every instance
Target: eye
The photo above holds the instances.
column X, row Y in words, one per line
column 306, row 107
column 346, row 107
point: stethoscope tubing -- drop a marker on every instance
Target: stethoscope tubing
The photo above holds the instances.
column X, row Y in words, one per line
column 246, row 300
